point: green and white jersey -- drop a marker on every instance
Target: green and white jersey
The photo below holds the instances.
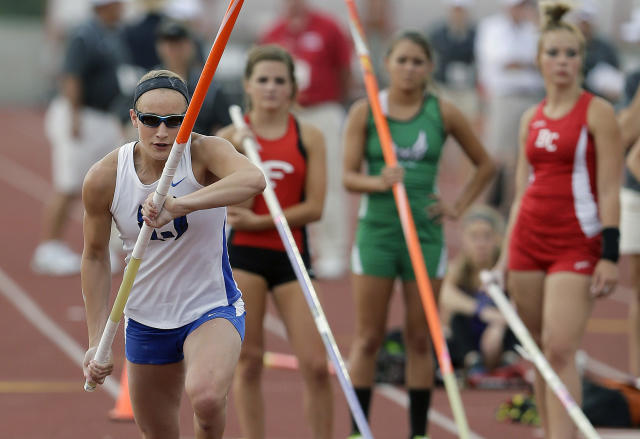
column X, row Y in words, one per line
column 418, row 144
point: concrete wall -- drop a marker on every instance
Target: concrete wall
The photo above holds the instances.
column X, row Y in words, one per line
column 24, row 76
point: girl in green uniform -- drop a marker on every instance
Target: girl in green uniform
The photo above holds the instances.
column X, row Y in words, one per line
column 420, row 123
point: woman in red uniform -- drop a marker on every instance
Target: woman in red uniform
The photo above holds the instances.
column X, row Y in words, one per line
column 563, row 245
column 294, row 157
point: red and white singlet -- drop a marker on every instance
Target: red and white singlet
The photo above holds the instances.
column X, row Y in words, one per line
column 558, row 225
column 284, row 162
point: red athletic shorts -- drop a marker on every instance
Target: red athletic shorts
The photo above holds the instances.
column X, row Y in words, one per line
column 529, row 251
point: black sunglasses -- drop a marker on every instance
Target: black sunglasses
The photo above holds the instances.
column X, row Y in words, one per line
column 153, row 120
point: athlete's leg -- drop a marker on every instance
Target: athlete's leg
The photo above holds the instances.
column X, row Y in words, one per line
column 527, row 291
column 634, row 315
column 371, row 295
column 420, row 366
column 567, row 307
column 312, row 357
column 247, row 388
column 155, row 398
column 420, row 361
column 492, row 344
column 211, row 354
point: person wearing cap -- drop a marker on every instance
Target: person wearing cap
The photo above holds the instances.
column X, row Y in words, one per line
column 180, row 52
column 185, row 315
column 140, row 34
column 81, row 125
column 506, row 45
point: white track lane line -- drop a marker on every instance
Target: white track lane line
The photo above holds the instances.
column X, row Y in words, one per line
column 24, row 179
column 37, row 317
column 275, row 326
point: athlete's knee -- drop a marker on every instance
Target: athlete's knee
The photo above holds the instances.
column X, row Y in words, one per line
column 250, row 364
column 418, row 343
column 558, row 352
column 315, row 370
column 207, row 402
column 368, row 343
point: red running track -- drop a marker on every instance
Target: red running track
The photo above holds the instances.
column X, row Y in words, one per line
column 44, row 335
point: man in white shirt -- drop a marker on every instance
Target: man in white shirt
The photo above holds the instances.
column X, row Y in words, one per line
column 506, row 48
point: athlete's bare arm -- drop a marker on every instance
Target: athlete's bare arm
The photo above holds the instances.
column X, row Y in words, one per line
column 628, row 120
column 354, row 142
column 233, row 135
column 459, row 127
column 633, row 160
column 97, row 195
column 452, row 299
column 231, row 178
column 609, row 159
column 310, row 209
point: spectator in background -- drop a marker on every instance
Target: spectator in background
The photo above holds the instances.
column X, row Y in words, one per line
column 480, row 340
column 178, row 52
column 190, row 12
column 140, row 35
column 81, row 126
column 61, row 17
column 322, row 55
column 377, row 17
column 601, row 71
column 629, row 119
column 453, row 42
column 506, row 46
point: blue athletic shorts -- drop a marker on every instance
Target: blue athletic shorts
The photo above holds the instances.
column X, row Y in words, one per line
column 147, row 345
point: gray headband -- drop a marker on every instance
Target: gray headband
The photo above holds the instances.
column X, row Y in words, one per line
column 160, row 82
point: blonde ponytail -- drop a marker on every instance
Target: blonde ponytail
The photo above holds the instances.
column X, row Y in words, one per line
column 551, row 15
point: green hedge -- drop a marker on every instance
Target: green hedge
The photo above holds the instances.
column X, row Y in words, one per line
column 29, row 8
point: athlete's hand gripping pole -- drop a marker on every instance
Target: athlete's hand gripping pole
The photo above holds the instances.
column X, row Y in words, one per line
column 251, row 150
column 408, row 226
column 536, row 356
column 183, row 137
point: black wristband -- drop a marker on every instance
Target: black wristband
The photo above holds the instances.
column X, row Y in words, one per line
column 610, row 243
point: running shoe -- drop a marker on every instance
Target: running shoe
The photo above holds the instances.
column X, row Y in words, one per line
column 55, row 258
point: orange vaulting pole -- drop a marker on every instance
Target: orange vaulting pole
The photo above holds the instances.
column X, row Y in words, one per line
column 184, row 136
column 408, row 226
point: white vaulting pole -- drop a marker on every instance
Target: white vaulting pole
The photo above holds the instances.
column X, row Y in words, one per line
column 251, row 150
column 537, row 357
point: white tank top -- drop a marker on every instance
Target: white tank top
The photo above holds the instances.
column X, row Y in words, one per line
column 185, row 271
